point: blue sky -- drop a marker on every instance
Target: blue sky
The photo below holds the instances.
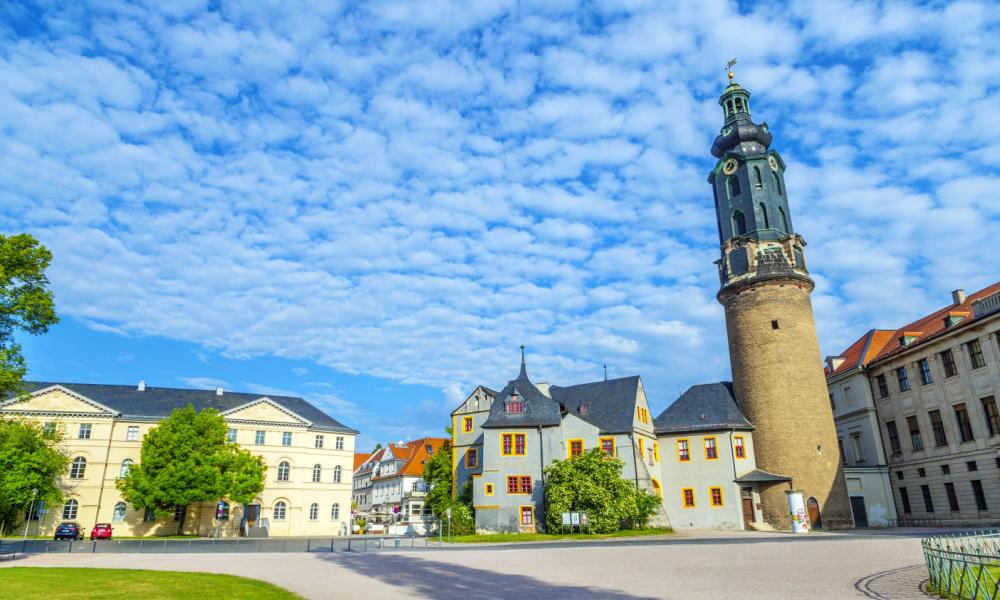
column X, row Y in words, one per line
column 373, row 204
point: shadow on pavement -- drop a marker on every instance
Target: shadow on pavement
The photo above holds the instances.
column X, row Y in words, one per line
column 427, row 578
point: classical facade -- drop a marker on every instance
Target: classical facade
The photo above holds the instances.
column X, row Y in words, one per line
column 502, row 442
column 866, row 468
column 391, row 487
column 936, row 385
column 765, row 287
column 308, row 456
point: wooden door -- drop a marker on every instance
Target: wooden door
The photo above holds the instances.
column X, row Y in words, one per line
column 815, row 522
column 747, row 497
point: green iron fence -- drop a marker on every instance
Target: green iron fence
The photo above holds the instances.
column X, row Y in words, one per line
column 965, row 566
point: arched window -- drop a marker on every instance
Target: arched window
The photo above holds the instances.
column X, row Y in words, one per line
column 777, row 182
column 335, row 511
column 283, row 469
column 78, row 468
column 279, row 510
column 757, row 181
column 316, row 473
column 739, row 105
column 126, row 467
column 763, row 213
column 733, row 185
column 739, row 223
column 313, row 511
column 784, row 220
column 336, row 474
column 119, row 515
column 69, row 510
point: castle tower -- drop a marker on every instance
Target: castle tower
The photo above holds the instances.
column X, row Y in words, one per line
column 777, row 369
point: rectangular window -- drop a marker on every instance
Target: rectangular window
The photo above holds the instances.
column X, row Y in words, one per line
column 738, row 447
column 132, row 433
column 890, row 427
column 258, row 438
column 48, row 429
column 833, row 405
column 472, row 458
column 921, row 472
column 948, row 362
column 715, row 493
column 977, row 491
column 883, row 386
column 466, row 424
column 608, row 446
column 149, row 516
column 642, row 447
column 992, row 417
column 339, row 443
column 519, row 443
column 859, row 448
column 231, row 435
column 575, row 448
column 905, row 499
column 899, row 474
column 946, row 469
column 179, row 513
column 903, row 379
column 925, row 371
column 84, row 431
column 971, row 466
column 964, row 425
column 527, row 515
column 656, row 452
column 525, row 484
column 928, row 503
column 318, row 441
column 683, row 451
column 937, row 426
column 711, row 452
column 843, row 455
column 949, row 489
column 286, row 438
column 975, row 354
column 915, row 440
column 489, row 489
column 512, row 444
column 687, row 495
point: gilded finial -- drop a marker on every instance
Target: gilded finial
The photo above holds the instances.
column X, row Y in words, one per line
column 729, row 70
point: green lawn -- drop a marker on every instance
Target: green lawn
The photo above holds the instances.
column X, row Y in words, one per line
column 499, row 538
column 987, row 582
column 66, row 583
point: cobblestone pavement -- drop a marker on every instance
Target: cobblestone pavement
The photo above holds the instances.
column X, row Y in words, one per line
column 689, row 565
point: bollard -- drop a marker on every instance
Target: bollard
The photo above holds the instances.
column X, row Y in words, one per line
column 94, row 549
column 309, row 545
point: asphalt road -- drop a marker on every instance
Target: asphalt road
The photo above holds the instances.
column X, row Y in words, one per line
column 689, row 565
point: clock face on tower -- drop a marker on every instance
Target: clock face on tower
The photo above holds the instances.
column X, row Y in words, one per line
column 729, row 167
column 774, row 163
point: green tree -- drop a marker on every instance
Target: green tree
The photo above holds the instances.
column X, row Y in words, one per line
column 186, row 459
column 592, row 482
column 437, row 475
column 25, row 302
column 29, row 460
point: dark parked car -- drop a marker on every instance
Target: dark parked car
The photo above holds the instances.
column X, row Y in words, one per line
column 69, row 531
column 101, row 531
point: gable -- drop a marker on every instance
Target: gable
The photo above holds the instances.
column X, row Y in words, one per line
column 55, row 400
column 264, row 410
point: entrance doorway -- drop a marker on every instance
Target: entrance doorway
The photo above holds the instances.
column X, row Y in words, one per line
column 860, row 513
column 746, row 496
column 814, row 519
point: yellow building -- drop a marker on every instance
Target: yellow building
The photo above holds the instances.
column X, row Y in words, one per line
column 309, row 458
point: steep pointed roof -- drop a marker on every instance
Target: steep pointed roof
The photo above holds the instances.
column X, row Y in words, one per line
column 705, row 407
column 539, row 409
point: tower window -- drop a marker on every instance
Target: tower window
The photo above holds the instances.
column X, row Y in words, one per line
column 777, row 182
column 774, row 324
column 763, row 213
column 739, row 105
column 739, row 222
column 733, row 185
column 784, row 220
column 757, row 181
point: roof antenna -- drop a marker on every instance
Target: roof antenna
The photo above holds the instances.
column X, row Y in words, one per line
column 605, row 372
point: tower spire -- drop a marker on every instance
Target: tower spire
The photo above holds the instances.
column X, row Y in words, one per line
column 524, row 371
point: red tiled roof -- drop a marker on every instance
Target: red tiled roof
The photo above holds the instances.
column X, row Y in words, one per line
column 861, row 352
column 360, row 458
column 413, row 452
column 933, row 324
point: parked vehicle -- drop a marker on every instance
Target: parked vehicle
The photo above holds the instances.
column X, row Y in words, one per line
column 101, row 531
column 69, row 531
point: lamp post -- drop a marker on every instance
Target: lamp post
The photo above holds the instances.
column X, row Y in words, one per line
column 27, row 520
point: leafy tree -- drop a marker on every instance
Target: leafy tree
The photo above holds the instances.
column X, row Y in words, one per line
column 29, row 460
column 25, row 302
column 592, row 482
column 186, row 459
column 437, row 475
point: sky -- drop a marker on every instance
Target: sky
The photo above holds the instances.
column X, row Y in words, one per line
column 373, row 204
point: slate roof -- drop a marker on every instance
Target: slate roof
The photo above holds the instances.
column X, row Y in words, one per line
column 705, row 407
column 610, row 404
column 158, row 403
column 539, row 409
column 760, row 476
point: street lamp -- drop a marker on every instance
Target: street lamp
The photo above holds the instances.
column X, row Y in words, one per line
column 27, row 519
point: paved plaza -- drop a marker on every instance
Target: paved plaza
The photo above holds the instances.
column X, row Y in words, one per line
column 689, row 565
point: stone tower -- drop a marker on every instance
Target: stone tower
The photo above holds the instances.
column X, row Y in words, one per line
column 777, row 369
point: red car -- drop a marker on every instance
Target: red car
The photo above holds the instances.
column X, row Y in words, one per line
column 101, row 531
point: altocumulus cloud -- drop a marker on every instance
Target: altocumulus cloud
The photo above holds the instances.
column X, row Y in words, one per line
column 409, row 190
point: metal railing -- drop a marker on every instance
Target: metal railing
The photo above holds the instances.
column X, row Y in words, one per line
column 965, row 566
column 356, row 543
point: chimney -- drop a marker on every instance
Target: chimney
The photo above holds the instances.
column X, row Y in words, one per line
column 218, row 391
column 958, row 296
column 142, row 386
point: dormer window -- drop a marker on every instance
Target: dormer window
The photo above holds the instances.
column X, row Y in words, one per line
column 584, row 409
column 908, row 338
column 514, row 404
